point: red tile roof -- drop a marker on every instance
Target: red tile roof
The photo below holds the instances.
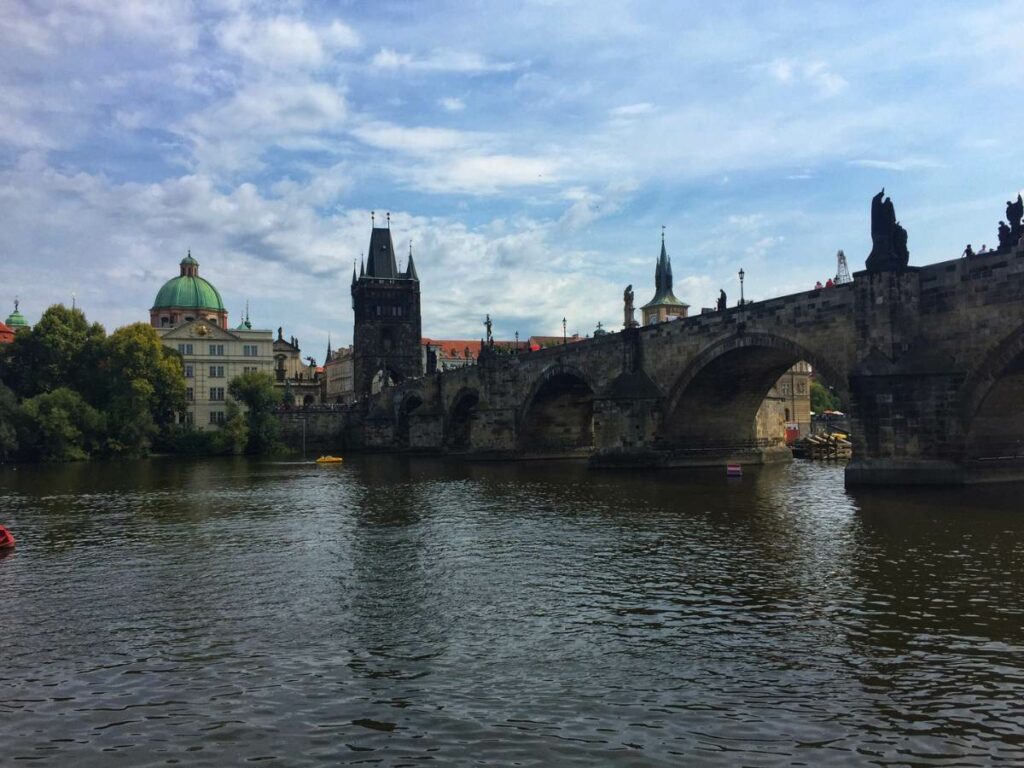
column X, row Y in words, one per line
column 456, row 348
column 6, row 333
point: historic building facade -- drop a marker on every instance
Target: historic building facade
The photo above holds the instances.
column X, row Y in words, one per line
column 186, row 298
column 189, row 316
column 338, row 386
column 297, row 378
column 386, row 328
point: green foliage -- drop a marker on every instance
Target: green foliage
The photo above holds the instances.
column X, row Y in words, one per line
column 257, row 393
column 8, row 423
column 822, row 399
column 233, row 436
column 61, row 350
column 59, row 426
column 145, row 388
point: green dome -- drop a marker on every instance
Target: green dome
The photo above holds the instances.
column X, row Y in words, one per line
column 188, row 292
column 16, row 320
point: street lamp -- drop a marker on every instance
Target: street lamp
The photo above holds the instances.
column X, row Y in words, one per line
column 564, row 338
column 742, row 302
column 517, row 342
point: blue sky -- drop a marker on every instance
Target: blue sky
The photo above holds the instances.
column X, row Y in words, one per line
column 531, row 151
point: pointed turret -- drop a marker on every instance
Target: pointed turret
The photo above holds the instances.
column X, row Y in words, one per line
column 410, row 268
column 381, row 258
column 327, row 357
column 664, row 305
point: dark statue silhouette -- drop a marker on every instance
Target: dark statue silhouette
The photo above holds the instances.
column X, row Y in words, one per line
column 888, row 238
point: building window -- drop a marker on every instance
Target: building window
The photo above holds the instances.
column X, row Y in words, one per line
column 216, row 393
column 190, row 394
column 216, row 350
column 801, row 388
column 185, row 349
column 250, row 369
column 250, row 350
column 785, row 389
column 216, row 417
column 189, row 372
column 189, row 417
column 216, row 371
column 165, row 321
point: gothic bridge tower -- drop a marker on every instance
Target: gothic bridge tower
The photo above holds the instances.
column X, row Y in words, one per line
column 386, row 332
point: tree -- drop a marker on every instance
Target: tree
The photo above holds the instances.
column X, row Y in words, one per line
column 257, row 393
column 8, row 423
column 61, row 350
column 233, row 435
column 60, row 426
column 145, row 387
column 822, row 399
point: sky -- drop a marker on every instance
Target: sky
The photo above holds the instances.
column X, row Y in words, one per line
column 530, row 152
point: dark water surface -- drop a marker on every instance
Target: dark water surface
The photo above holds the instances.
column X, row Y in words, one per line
column 407, row 612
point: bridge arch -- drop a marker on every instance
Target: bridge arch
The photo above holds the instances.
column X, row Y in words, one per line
column 558, row 411
column 714, row 400
column 990, row 401
column 458, row 423
column 405, row 404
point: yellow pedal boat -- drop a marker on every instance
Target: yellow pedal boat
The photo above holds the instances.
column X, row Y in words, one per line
column 329, row 460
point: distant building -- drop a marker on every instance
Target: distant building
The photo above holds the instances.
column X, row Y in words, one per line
column 212, row 357
column 6, row 334
column 186, row 298
column 386, row 329
column 664, row 306
column 338, row 379
column 785, row 412
column 16, row 321
column 189, row 316
column 297, row 378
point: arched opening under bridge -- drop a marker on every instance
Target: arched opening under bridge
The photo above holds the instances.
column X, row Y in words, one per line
column 754, row 391
column 558, row 415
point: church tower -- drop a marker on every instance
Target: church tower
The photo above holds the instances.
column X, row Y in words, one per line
column 664, row 306
column 386, row 331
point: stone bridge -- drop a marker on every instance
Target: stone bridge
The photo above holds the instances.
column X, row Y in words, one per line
column 929, row 360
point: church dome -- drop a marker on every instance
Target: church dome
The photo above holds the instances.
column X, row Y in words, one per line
column 16, row 320
column 189, row 290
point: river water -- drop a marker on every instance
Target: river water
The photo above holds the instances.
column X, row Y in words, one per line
column 395, row 611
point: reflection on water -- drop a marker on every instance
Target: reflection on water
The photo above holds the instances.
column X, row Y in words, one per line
column 391, row 610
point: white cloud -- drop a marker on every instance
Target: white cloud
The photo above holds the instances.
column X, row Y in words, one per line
column 588, row 206
column 416, row 140
column 902, row 164
column 632, row 110
column 452, row 104
column 283, row 43
column 438, row 60
column 233, row 134
column 484, row 174
column 814, row 73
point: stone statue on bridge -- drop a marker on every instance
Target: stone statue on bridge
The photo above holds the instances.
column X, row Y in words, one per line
column 1006, row 241
column 489, row 326
column 1014, row 214
column 627, row 300
column 888, row 238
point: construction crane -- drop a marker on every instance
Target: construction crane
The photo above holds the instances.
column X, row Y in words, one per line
column 842, row 270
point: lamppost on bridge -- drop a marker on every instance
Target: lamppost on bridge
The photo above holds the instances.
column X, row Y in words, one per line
column 564, row 337
column 742, row 302
column 517, row 342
